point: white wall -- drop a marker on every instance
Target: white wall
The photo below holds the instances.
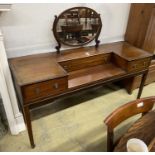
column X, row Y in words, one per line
column 27, row 27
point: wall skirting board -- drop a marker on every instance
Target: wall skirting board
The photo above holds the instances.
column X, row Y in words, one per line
column 14, row 117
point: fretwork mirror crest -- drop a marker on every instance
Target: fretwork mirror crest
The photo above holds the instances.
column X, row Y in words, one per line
column 77, row 26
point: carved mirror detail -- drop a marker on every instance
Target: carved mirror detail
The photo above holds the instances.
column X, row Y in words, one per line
column 76, row 27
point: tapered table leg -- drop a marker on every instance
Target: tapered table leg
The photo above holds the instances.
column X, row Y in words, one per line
column 29, row 125
column 142, row 84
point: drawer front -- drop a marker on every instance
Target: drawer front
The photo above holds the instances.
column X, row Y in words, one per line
column 76, row 64
column 139, row 64
column 44, row 89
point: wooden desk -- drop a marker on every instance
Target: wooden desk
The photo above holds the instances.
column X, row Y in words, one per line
column 41, row 78
column 143, row 129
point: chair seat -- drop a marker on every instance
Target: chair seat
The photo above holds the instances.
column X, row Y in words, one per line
column 143, row 128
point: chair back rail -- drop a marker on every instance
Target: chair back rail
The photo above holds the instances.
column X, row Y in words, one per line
column 143, row 105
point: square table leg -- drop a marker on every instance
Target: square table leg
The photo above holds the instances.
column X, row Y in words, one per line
column 142, row 84
column 27, row 118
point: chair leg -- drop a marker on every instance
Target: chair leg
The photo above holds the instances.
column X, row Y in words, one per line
column 110, row 141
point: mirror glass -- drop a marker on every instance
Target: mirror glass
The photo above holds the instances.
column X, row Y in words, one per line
column 77, row 26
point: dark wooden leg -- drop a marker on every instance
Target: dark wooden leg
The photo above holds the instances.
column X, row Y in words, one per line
column 110, row 141
column 28, row 123
column 142, row 84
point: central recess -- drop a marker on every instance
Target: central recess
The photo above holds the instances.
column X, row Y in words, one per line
column 84, row 71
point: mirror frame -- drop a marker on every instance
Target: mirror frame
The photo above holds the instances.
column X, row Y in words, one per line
column 59, row 41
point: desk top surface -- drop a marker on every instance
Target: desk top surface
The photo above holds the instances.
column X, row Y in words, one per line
column 123, row 49
column 39, row 67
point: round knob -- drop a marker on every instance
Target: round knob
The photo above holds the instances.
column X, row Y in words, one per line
column 144, row 64
column 65, row 67
column 135, row 66
column 105, row 60
column 55, row 86
column 37, row 91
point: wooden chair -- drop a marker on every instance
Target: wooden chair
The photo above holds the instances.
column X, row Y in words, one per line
column 143, row 105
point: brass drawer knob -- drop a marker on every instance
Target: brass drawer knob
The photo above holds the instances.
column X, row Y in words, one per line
column 135, row 66
column 105, row 60
column 144, row 64
column 56, row 86
column 37, row 91
column 65, row 67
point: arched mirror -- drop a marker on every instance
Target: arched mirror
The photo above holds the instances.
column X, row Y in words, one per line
column 77, row 26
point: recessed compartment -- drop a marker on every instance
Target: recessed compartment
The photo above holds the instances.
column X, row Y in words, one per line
column 89, row 61
column 84, row 71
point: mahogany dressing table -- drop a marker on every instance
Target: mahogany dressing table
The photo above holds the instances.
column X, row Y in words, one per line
column 39, row 79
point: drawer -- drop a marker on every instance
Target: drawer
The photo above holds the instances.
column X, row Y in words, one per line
column 139, row 64
column 76, row 64
column 44, row 89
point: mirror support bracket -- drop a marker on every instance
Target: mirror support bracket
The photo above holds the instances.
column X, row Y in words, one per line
column 97, row 36
column 55, row 35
